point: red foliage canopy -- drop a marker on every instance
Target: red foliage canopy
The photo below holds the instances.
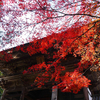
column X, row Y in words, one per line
column 78, row 34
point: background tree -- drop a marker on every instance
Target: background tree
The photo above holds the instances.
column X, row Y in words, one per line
column 76, row 21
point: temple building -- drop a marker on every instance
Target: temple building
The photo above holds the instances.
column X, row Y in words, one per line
column 17, row 86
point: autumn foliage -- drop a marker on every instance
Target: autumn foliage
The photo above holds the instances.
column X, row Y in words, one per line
column 79, row 35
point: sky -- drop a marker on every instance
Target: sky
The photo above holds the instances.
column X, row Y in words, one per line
column 26, row 30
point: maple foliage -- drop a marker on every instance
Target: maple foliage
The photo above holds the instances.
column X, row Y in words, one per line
column 71, row 27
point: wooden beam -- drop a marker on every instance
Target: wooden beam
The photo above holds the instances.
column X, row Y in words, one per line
column 78, row 96
column 14, row 99
column 3, row 95
column 40, row 59
column 13, row 95
column 28, row 98
column 22, row 94
column 54, row 93
column 85, row 91
column 17, row 77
